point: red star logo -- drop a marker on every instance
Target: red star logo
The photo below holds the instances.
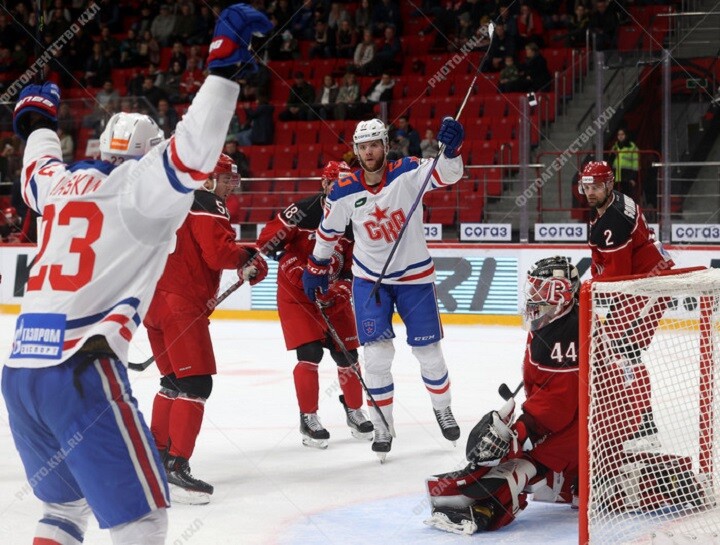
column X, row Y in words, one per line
column 379, row 213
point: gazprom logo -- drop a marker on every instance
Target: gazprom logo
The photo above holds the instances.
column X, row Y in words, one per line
column 39, row 336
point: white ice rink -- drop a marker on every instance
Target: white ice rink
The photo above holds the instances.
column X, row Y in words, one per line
column 269, row 489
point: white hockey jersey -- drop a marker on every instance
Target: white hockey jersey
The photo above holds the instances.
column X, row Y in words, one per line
column 106, row 231
column 377, row 214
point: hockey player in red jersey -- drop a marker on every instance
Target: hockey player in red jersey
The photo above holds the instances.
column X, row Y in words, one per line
column 292, row 232
column 178, row 326
column 108, row 226
column 490, row 492
column 622, row 245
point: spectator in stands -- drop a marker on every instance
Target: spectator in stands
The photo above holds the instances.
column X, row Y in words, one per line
column 501, row 46
column 387, row 56
column 381, row 90
column 109, row 15
column 145, row 22
column 386, row 13
column 151, row 92
column 282, row 12
column 321, row 43
column 6, row 62
column 257, row 83
column 301, row 96
column 507, row 19
column 97, row 67
column 364, row 53
column 130, row 50
column 345, row 40
column 429, row 145
column 166, row 117
column 530, row 27
column 363, row 16
column 535, row 69
column 204, row 25
column 241, row 160
column 172, row 82
column 465, row 31
column 603, row 24
column 302, row 22
column 57, row 22
column 326, row 98
column 67, row 145
column 284, row 47
column 626, row 163
column 107, row 94
column 199, row 58
column 511, row 80
column 578, row 26
column 163, row 26
column 346, row 104
column 8, row 31
column 149, row 49
column 184, row 23
column 178, row 55
column 260, row 127
column 190, row 82
column 110, row 46
column 65, row 118
column 407, row 138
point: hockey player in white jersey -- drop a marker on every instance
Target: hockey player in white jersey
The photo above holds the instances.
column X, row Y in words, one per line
column 107, row 229
column 376, row 200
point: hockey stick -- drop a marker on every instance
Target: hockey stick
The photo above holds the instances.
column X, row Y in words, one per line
column 506, row 393
column 353, row 364
column 418, row 199
column 224, row 295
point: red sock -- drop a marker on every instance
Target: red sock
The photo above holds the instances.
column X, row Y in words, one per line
column 185, row 420
column 307, row 386
column 351, row 388
column 160, row 425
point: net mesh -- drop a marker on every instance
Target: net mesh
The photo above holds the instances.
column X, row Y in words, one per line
column 653, row 416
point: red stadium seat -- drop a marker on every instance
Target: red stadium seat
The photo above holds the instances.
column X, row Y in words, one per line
column 308, row 158
column 330, row 132
column 284, row 134
column 472, row 207
column 284, row 157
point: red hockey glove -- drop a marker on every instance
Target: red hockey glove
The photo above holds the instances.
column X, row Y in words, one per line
column 255, row 259
column 340, row 292
column 292, row 268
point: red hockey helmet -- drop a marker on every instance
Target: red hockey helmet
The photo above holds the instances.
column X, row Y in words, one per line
column 226, row 165
column 333, row 168
column 10, row 213
column 597, row 173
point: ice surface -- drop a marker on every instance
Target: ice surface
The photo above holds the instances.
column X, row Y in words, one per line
column 269, row 489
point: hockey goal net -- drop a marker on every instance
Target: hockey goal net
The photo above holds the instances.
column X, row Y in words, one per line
column 650, row 409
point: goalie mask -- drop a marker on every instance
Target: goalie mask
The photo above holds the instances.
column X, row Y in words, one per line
column 551, row 287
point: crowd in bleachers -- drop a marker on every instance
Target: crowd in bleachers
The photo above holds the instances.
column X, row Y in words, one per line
column 328, row 64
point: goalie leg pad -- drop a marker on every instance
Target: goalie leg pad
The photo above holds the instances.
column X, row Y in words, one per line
column 447, row 485
column 504, row 484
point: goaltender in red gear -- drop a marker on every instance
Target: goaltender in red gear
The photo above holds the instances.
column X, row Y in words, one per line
column 292, row 232
column 178, row 326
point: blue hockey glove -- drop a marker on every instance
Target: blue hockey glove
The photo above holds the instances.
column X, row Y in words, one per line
column 36, row 99
column 452, row 135
column 232, row 42
column 315, row 275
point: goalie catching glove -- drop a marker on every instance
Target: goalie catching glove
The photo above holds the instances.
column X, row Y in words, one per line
column 494, row 438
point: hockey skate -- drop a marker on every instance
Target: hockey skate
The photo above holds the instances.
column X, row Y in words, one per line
column 468, row 520
column 382, row 442
column 646, row 438
column 448, row 425
column 313, row 433
column 184, row 488
column 360, row 426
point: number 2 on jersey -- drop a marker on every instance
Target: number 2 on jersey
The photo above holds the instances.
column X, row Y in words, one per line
column 82, row 246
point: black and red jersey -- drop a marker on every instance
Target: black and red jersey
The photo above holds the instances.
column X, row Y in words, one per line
column 293, row 231
column 550, row 373
column 621, row 241
column 205, row 246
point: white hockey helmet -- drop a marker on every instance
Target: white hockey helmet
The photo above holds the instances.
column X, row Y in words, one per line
column 369, row 131
column 128, row 136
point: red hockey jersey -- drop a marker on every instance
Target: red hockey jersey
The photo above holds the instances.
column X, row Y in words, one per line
column 621, row 242
column 205, row 246
column 293, row 232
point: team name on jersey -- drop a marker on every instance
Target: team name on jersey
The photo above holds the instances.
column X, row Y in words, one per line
column 386, row 225
column 78, row 184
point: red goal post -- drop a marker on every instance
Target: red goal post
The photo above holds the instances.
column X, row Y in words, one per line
column 649, row 409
